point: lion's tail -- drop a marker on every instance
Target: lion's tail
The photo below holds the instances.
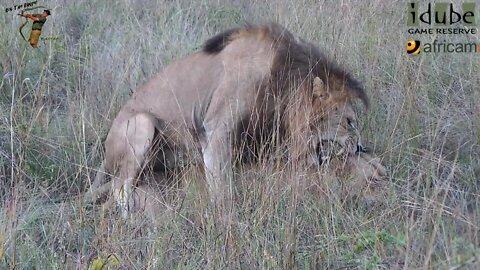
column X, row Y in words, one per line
column 101, row 176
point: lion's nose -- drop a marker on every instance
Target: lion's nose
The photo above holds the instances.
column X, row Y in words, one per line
column 361, row 148
column 354, row 132
column 350, row 122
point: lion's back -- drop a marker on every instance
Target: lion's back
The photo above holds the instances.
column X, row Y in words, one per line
column 204, row 80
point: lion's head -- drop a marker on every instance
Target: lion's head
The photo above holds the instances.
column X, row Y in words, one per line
column 358, row 178
column 333, row 119
column 315, row 95
column 353, row 173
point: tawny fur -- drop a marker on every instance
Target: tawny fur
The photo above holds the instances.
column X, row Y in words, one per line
column 248, row 80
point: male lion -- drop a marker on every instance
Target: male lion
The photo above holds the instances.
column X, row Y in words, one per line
column 246, row 83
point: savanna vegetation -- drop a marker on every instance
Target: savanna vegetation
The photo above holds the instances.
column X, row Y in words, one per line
column 57, row 103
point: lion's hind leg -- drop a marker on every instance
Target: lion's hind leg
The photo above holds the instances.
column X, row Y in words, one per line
column 133, row 139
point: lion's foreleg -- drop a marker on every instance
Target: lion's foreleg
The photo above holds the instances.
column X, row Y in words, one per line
column 217, row 156
column 301, row 143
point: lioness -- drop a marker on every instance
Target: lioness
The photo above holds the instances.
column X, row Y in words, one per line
column 248, row 82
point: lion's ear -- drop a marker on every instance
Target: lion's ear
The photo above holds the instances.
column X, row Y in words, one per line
column 319, row 89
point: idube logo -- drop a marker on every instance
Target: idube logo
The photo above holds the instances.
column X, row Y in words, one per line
column 442, row 14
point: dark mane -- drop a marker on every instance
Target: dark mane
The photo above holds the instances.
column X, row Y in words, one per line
column 302, row 60
column 216, row 44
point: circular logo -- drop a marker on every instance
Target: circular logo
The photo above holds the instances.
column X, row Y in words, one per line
column 413, row 46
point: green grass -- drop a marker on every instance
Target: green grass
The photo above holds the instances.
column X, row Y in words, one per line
column 423, row 124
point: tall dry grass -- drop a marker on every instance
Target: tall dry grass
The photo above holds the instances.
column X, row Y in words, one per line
column 57, row 103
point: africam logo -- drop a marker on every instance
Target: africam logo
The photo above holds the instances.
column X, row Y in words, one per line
column 38, row 20
column 413, row 46
column 438, row 46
